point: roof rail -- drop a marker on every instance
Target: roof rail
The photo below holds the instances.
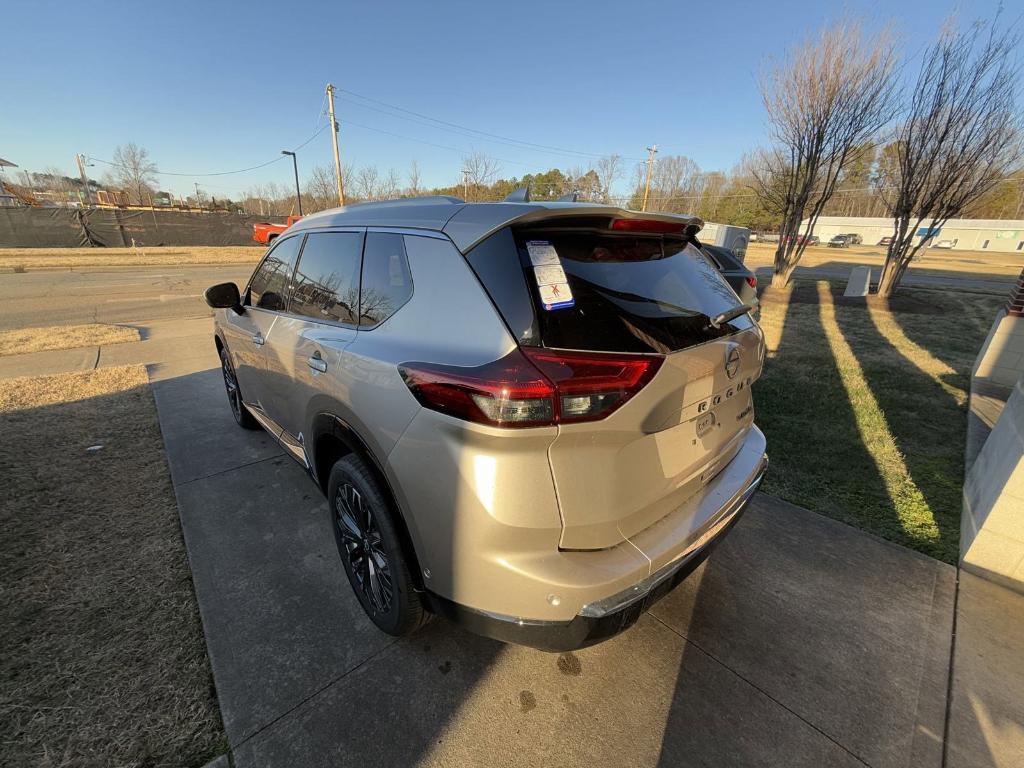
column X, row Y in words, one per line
column 569, row 197
column 521, row 195
column 405, row 201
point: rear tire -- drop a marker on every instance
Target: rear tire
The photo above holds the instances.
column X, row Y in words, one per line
column 243, row 418
column 362, row 523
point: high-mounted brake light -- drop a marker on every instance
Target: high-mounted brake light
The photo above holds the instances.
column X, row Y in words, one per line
column 649, row 225
column 751, row 281
column 532, row 386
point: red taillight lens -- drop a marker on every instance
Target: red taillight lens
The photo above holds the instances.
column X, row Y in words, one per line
column 531, row 386
column 648, row 225
column 752, row 281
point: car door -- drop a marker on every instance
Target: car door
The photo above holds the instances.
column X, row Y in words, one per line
column 264, row 302
column 304, row 348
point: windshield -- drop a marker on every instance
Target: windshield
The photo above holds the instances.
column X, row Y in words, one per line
column 626, row 293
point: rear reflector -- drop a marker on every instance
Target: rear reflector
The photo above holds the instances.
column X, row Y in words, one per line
column 649, row 225
column 532, row 386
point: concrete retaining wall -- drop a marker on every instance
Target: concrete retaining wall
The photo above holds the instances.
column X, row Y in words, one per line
column 992, row 524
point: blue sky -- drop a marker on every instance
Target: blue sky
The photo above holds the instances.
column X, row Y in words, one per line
column 218, row 86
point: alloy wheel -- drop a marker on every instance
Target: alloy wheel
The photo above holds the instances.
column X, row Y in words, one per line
column 364, row 549
column 231, row 385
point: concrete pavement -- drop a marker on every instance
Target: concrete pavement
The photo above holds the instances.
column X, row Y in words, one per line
column 801, row 641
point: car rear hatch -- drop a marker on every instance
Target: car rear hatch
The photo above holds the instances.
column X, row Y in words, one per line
column 623, row 290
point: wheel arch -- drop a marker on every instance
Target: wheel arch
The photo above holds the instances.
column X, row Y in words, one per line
column 333, row 438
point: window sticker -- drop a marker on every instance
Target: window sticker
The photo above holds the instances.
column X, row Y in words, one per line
column 542, row 253
column 551, row 281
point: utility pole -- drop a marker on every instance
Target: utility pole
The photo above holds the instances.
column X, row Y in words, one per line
column 334, row 140
column 465, row 184
column 651, row 152
column 199, row 200
column 295, row 167
column 80, row 159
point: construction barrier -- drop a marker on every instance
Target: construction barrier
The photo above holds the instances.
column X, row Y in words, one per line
column 114, row 228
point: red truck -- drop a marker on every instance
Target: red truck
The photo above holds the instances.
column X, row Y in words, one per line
column 265, row 232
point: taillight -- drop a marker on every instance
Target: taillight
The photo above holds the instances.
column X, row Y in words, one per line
column 751, row 281
column 531, row 386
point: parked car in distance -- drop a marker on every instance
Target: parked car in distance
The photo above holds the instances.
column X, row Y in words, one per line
column 265, row 232
column 534, row 419
column 839, row 241
column 803, row 239
column 736, row 274
column 854, row 239
column 885, row 242
column 944, row 244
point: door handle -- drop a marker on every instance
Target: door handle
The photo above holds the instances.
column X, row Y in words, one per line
column 317, row 363
column 257, row 339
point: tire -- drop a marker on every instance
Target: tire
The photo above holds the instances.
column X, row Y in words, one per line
column 242, row 416
column 362, row 519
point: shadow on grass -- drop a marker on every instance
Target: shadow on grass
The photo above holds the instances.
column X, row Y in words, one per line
column 819, row 459
column 926, row 420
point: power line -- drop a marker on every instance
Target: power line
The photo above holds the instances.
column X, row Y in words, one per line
column 431, row 143
column 465, row 129
column 277, row 159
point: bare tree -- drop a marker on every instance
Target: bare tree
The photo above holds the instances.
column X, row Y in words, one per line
column 609, row 170
column 367, row 183
column 414, row 179
column 389, row 186
column 134, row 171
column 960, row 137
column 482, row 169
column 833, row 94
column 320, row 192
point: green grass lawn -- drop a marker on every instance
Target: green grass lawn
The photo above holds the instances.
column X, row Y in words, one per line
column 864, row 407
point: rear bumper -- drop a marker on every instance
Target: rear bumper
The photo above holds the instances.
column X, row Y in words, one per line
column 609, row 616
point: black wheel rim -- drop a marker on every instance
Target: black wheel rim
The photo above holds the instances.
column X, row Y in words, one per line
column 363, row 548
column 231, row 385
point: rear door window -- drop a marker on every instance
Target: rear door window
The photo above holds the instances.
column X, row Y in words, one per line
column 326, row 285
column 386, row 279
column 629, row 293
column 268, row 288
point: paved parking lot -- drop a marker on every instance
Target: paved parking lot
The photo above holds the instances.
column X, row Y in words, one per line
column 801, row 641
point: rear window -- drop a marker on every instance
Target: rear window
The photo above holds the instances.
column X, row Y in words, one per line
column 625, row 293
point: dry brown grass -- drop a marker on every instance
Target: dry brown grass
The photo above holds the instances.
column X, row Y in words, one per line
column 43, row 258
column 102, row 654
column 25, row 340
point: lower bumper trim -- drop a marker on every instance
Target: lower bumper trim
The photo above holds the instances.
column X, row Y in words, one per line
column 603, row 619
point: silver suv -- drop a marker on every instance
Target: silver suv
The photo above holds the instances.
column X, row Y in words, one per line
column 534, row 419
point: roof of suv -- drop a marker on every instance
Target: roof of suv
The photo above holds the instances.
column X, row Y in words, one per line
column 466, row 223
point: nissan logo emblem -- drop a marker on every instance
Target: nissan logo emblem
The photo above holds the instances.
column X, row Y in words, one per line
column 732, row 360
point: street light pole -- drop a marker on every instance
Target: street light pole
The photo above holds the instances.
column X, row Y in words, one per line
column 295, row 167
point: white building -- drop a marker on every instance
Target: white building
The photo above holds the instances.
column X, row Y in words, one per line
column 1004, row 235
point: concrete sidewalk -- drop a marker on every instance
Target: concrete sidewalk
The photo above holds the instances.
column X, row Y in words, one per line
column 802, row 641
column 168, row 348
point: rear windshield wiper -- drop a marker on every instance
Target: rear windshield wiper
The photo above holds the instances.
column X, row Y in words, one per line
column 719, row 320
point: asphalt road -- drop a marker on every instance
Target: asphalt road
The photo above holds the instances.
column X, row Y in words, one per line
column 141, row 294
column 109, row 294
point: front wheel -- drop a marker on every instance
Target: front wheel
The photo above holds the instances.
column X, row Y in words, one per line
column 370, row 549
column 242, row 416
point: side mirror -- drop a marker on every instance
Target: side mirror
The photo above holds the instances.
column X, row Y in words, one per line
column 223, row 296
